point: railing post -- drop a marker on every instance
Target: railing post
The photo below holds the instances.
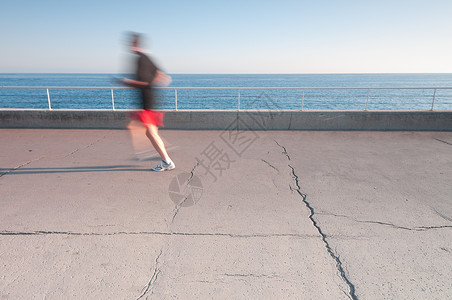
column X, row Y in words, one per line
column 238, row 103
column 302, row 99
column 112, row 100
column 433, row 101
column 48, row 99
column 367, row 100
column 175, row 97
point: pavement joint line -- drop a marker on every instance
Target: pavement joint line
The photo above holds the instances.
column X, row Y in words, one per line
column 351, row 294
column 148, row 287
column 229, row 235
column 419, row 228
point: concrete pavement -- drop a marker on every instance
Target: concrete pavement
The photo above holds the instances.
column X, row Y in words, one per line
column 245, row 215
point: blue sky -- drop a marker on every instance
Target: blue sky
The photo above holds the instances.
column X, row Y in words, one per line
column 230, row 36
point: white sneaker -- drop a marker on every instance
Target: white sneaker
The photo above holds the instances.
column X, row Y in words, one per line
column 163, row 166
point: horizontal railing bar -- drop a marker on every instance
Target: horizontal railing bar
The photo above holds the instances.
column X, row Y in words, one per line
column 228, row 109
column 229, row 88
column 312, row 97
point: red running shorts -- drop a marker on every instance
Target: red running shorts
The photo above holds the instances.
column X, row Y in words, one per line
column 148, row 117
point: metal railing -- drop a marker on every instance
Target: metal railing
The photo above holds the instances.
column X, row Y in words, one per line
column 244, row 98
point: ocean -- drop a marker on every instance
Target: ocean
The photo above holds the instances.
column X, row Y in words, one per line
column 260, row 91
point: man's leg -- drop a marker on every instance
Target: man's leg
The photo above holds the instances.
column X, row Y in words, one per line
column 153, row 135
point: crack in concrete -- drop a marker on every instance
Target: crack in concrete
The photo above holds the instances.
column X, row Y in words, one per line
column 176, row 211
column 273, row 276
column 419, row 228
column 351, row 294
column 178, row 206
column 441, row 215
column 36, row 159
column 194, row 234
column 445, row 142
column 205, row 281
column 284, row 148
column 148, row 287
column 86, row 147
column 270, row 165
column 20, row 166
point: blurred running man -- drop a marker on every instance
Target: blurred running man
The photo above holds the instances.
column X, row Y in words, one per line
column 147, row 75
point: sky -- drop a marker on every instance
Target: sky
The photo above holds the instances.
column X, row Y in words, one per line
column 228, row 36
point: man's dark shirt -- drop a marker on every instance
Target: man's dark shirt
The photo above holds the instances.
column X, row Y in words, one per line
column 146, row 71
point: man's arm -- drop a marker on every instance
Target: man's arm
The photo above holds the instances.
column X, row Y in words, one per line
column 134, row 83
column 161, row 79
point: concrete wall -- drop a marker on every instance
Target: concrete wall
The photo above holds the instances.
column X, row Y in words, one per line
column 252, row 120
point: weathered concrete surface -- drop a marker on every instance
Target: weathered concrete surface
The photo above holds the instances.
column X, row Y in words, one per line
column 282, row 215
column 221, row 120
column 385, row 202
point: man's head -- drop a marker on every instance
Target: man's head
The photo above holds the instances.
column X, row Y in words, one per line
column 135, row 42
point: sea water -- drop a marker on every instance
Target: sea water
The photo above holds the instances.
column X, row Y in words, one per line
column 263, row 91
